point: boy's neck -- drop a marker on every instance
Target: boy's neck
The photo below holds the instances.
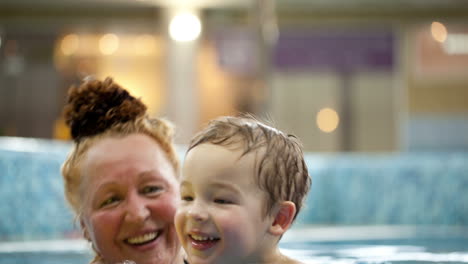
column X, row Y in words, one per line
column 275, row 257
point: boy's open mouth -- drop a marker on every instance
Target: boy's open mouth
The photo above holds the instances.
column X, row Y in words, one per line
column 143, row 239
column 203, row 242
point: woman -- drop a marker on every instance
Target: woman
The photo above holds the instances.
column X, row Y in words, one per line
column 121, row 176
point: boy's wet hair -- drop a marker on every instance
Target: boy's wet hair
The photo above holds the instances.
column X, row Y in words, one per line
column 281, row 170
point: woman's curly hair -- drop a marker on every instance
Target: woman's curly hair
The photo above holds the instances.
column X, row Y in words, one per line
column 98, row 109
column 101, row 109
column 95, row 106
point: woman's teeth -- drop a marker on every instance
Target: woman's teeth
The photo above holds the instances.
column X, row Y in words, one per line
column 143, row 238
column 202, row 238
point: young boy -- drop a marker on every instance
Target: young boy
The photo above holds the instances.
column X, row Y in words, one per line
column 243, row 184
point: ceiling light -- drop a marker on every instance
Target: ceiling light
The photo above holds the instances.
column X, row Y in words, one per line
column 185, row 27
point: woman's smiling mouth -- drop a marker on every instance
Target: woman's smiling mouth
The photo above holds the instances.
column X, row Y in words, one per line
column 142, row 239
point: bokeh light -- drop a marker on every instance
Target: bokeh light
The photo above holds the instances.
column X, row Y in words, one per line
column 108, row 44
column 69, row 44
column 439, row 32
column 327, row 120
column 184, row 27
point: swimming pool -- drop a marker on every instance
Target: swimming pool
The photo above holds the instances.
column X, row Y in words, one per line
column 322, row 244
column 426, row 191
column 75, row 251
column 449, row 250
column 378, row 244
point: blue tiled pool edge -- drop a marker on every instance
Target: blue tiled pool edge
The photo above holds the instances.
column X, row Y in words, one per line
column 419, row 189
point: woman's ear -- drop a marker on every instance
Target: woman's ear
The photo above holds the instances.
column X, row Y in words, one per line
column 283, row 218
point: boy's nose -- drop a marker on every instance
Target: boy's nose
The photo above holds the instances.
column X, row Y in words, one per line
column 198, row 214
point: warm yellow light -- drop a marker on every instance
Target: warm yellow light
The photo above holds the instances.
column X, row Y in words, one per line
column 145, row 44
column 184, row 27
column 108, row 44
column 327, row 120
column 439, row 32
column 69, row 44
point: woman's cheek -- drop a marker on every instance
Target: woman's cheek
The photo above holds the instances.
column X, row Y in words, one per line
column 165, row 207
column 102, row 227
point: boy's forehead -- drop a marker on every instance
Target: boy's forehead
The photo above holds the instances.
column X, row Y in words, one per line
column 209, row 150
column 213, row 157
column 210, row 163
column 236, row 149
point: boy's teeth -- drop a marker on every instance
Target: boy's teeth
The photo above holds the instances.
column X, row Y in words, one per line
column 202, row 238
column 143, row 238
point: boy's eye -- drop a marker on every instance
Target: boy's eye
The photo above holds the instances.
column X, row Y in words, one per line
column 187, row 198
column 222, row 201
column 110, row 200
column 151, row 189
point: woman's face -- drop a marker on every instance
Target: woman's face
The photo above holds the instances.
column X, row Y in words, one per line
column 130, row 195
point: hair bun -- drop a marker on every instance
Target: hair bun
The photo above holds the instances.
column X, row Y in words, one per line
column 95, row 106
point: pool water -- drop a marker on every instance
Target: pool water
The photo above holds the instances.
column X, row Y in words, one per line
column 314, row 246
column 75, row 251
column 45, row 258
column 437, row 250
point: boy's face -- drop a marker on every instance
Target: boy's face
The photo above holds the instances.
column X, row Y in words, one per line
column 220, row 218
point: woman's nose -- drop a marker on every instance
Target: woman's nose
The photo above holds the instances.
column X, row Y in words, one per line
column 136, row 209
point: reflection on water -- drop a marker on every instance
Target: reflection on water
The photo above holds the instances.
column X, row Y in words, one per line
column 45, row 252
column 454, row 250
column 377, row 251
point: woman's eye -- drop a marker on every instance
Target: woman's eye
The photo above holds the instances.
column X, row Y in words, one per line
column 110, row 200
column 222, row 201
column 187, row 198
column 151, row 189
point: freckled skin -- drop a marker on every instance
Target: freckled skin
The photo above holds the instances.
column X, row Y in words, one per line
column 131, row 190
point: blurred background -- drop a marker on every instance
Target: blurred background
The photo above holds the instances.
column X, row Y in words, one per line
column 361, row 75
column 376, row 90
